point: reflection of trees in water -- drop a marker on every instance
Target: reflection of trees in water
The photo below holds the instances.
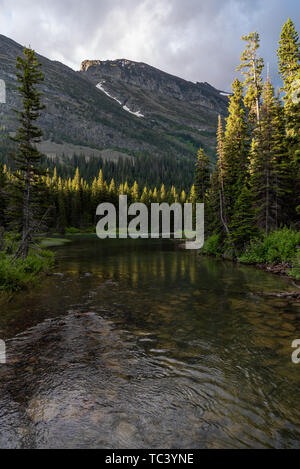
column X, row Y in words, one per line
column 193, row 321
column 179, row 287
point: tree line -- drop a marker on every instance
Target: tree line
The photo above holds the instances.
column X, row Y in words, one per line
column 142, row 167
column 72, row 201
column 255, row 186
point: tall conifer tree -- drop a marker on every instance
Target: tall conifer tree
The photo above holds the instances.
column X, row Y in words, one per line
column 263, row 167
column 251, row 67
column 289, row 68
column 218, row 184
column 236, row 146
column 27, row 158
column 202, row 175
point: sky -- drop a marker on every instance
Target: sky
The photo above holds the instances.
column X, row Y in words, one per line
column 198, row 40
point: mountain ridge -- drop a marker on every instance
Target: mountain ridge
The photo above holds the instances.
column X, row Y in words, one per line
column 151, row 78
column 177, row 116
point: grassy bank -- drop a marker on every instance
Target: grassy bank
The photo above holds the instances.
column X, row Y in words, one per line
column 53, row 242
column 278, row 252
column 16, row 273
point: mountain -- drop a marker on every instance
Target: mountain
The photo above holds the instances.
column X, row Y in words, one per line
column 121, row 106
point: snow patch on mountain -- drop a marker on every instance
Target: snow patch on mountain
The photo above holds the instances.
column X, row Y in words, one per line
column 100, row 87
column 137, row 113
column 126, row 108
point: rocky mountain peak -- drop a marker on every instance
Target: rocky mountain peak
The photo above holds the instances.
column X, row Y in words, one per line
column 120, row 63
column 122, row 73
column 86, row 64
column 117, row 104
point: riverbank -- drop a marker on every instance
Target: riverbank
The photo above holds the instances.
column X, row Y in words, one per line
column 283, row 269
column 278, row 252
column 17, row 273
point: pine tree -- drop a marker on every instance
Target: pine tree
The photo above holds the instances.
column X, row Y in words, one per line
column 162, row 194
column 243, row 227
column 76, row 199
column 121, row 189
column 217, row 182
column 202, row 175
column 213, row 214
column 289, row 68
column 126, row 188
column 135, row 192
column 61, row 219
column 94, row 191
column 145, row 196
column 263, row 167
column 252, row 66
column 288, row 58
column 112, row 187
column 192, row 195
column 100, row 183
column 285, row 171
column 54, row 177
column 236, row 147
column 87, row 217
column 155, row 195
column 27, row 158
column 173, row 195
column 183, row 197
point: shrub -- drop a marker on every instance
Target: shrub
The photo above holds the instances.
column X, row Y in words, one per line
column 278, row 246
column 36, row 263
column 17, row 273
column 212, row 246
column 295, row 271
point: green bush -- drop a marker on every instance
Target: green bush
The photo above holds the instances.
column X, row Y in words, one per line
column 278, row 246
column 36, row 263
column 295, row 271
column 17, row 273
column 11, row 242
column 212, row 246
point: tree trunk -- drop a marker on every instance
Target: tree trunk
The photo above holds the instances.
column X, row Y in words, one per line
column 26, row 217
column 222, row 213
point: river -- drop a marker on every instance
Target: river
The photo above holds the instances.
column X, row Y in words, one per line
column 140, row 344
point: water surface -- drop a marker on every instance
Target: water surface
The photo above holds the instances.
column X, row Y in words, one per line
column 139, row 344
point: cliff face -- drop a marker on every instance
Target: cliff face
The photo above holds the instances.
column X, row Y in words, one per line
column 121, row 105
column 144, row 77
column 185, row 112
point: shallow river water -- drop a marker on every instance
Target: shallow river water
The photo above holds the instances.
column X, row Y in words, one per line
column 139, row 344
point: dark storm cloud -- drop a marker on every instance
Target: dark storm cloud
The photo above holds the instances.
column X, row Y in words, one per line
column 196, row 39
